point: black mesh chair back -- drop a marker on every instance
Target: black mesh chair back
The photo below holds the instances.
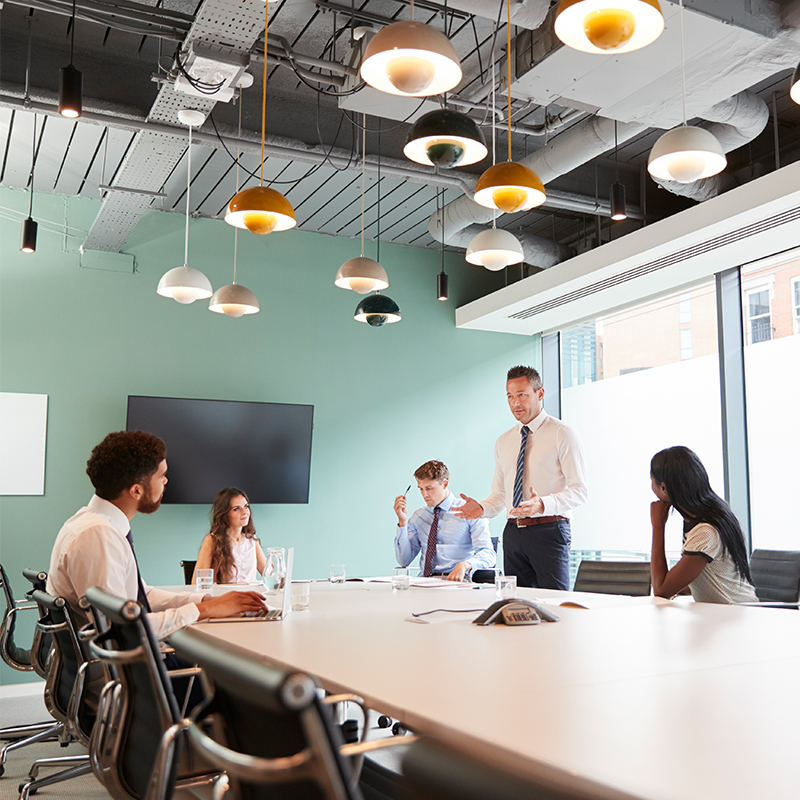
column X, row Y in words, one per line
column 136, row 745
column 776, row 575
column 614, row 577
column 20, row 658
column 188, row 571
column 433, row 771
column 272, row 734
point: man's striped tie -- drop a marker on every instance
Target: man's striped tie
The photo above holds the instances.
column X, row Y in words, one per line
column 520, row 466
column 430, row 553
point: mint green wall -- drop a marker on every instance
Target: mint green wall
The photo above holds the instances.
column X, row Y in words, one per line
column 385, row 400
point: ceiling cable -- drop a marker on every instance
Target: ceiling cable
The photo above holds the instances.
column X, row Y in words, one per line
column 508, row 63
column 683, row 60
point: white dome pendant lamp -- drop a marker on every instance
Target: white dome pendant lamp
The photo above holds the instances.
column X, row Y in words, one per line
column 412, row 59
column 234, row 300
column 186, row 284
column 688, row 153
column 361, row 274
column 509, row 187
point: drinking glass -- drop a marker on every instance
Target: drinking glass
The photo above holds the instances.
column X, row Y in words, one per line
column 204, row 580
column 338, row 573
column 275, row 570
column 505, row 587
column 301, row 594
column 400, row 578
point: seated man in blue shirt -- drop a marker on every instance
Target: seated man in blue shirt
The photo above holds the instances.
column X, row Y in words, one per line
column 447, row 544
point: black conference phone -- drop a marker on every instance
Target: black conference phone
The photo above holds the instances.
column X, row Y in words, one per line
column 515, row 612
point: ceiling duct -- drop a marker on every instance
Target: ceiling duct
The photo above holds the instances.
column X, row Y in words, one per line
column 528, row 14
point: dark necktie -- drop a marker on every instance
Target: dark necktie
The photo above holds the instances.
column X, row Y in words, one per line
column 430, row 553
column 520, row 467
column 141, row 596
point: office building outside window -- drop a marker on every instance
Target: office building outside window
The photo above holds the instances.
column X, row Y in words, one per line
column 772, row 386
column 654, row 383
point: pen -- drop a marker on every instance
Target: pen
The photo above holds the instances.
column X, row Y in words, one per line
column 407, row 490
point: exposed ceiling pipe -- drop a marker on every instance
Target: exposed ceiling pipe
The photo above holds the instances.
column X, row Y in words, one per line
column 524, row 13
column 734, row 122
column 564, row 153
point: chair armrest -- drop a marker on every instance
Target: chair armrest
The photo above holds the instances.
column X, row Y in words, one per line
column 185, row 672
column 376, row 744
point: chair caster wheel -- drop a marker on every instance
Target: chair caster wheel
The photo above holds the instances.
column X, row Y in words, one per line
column 383, row 722
column 398, row 729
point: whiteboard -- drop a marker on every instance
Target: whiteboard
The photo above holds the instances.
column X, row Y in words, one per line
column 23, row 438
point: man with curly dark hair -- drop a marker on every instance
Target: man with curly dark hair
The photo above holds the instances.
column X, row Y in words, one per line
column 128, row 470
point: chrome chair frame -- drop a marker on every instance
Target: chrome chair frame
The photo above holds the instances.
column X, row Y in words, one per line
column 23, row 735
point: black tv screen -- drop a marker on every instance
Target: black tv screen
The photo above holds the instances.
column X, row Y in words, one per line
column 262, row 448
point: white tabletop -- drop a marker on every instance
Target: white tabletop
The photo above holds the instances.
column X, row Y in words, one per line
column 665, row 701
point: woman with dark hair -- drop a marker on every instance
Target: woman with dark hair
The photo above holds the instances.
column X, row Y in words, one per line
column 713, row 562
column 231, row 548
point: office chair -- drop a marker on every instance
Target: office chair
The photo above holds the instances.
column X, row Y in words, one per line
column 614, row 577
column 486, row 575
column 188, row 571
column 33, row 660
column 136, row 747
column 64, row 691
column 433, row 771
column 271, row 733
column 776, row 575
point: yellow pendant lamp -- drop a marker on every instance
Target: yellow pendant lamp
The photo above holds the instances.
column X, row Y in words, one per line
column 260, row 209
column 509, row 186
column 608, row 26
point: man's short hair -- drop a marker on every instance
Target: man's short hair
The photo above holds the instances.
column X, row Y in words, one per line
column 432, row 471
column 123, row 459
column 526, row 372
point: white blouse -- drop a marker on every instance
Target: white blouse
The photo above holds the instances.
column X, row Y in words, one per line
column 244, row 560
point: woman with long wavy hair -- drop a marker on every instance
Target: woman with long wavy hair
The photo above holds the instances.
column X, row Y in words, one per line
column 713, row 562
column 231, row 547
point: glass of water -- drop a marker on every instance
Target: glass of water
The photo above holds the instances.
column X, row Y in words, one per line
column 338, row 573
column 505, row 587
column 204, row 580
column 275, row 570
column 301, row 594
column 400, row 578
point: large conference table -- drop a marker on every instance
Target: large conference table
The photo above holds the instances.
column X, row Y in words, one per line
column 632, row 696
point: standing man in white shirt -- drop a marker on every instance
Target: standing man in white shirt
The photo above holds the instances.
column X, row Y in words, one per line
column 128, row 470
column 540, row 476
column 447, row 545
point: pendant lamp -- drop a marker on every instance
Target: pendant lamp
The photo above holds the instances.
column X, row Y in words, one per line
column 794, row 91
column 442, row 280
column 445, row 138
column 185, row 284
column 234, row 300
column 619, row 210
column 362, row 274
column 688, row 153
column 260, row 209
column 509, row 187
column 608, row 26
column 29, row 226
column 494, row 249
column 70, row 92
column 377, row 310
column 412, row 59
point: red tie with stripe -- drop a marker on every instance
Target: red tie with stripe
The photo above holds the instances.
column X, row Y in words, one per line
column 430, row 553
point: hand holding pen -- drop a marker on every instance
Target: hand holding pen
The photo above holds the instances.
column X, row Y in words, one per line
column 400, row 508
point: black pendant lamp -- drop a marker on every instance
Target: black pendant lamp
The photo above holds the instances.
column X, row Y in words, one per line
column 30, row 227
column 445, row 138
column 377, row 310
column 70, row 93
column 617, row 194
column 442, row 280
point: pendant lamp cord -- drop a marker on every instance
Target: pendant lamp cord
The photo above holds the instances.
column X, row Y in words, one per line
column 494, row 127
column 508, row 64
column 27, row 98
column 33, row 165
column 616, row 153
column 412, row 11
column 379, row 189
column 363, row 171
column 188, row 197
column 72, row 39
column 683, row 59
column 264, row 90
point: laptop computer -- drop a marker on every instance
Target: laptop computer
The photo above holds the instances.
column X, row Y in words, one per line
column 272, row 614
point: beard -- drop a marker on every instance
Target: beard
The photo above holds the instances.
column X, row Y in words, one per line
column 148, row 504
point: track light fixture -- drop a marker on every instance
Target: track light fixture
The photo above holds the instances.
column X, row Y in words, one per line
column 70, row 92
column 608, row 26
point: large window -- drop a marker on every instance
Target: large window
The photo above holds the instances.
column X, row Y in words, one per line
column 634, row 382
column 772, row 383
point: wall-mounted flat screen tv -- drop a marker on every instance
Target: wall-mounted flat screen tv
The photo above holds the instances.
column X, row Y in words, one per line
column 262, row 448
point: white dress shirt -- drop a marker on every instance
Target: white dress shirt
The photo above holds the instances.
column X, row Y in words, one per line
column 554, row 466
column 91, row 550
